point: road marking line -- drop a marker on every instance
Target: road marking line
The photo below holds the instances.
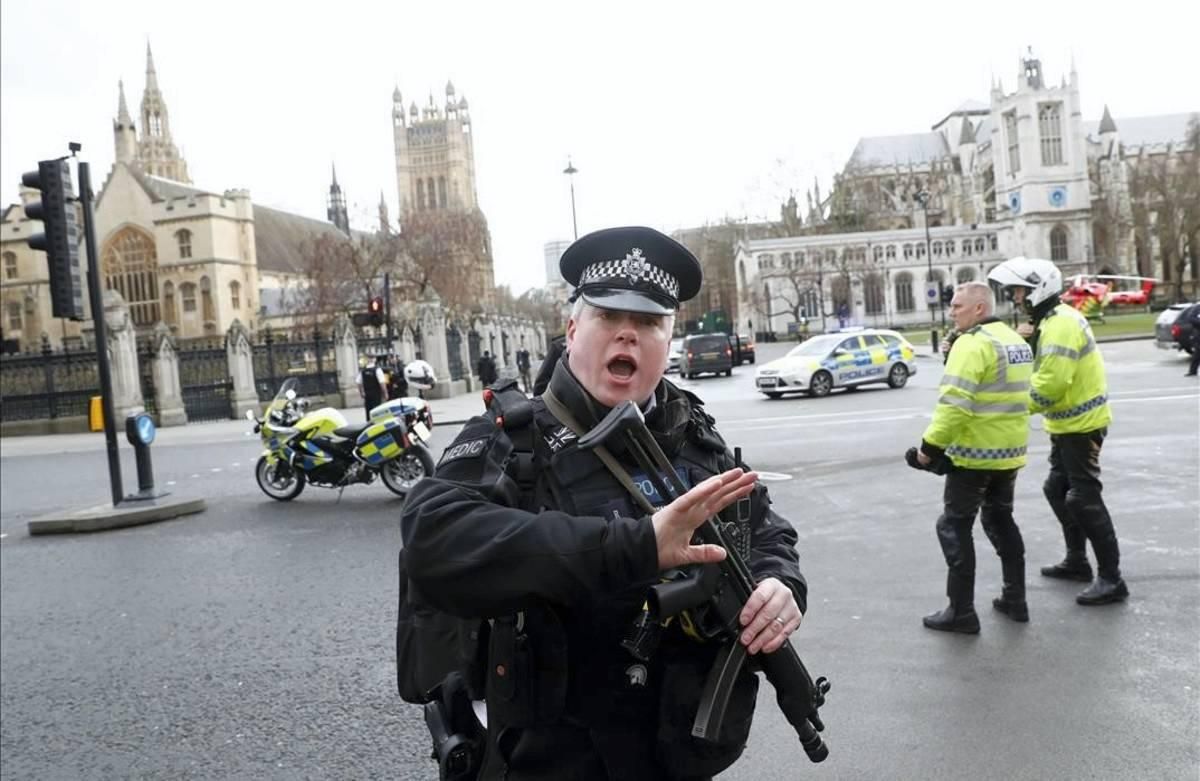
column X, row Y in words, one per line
column 1157, row 398
column 195, row 476
column 236, row 463
column 859, row 413
column 3, row 535
column 804, row 422
column 170, row 482
column 773, row 476
column 1141, row 390
column 216, row 469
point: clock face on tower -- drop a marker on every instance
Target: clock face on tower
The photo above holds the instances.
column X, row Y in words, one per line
column 1014, row 202
column 1058, row 197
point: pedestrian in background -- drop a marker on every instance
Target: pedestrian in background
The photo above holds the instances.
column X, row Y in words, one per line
column 979, row 433
column 1070, row 390
column 523, row 366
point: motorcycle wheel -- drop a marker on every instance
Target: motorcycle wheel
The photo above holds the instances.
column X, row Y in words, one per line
column 401, row 474
column 278, row 481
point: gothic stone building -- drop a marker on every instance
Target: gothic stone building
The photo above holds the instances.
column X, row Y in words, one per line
column 435, row 180
column 196, row 260
column 1023, row 174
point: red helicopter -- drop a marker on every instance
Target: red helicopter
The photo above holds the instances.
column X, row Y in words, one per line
column 1090, row 294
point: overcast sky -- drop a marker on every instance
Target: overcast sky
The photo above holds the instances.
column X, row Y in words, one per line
column 674, row 113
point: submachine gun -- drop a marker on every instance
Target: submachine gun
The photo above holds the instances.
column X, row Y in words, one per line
column 725, row 588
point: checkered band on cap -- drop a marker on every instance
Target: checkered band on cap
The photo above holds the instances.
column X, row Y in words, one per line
column 631, row 269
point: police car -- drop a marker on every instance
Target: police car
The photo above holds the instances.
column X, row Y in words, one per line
column 841, row 360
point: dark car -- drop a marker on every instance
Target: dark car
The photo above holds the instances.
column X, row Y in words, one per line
column 743, row 349
column 705, row 353
column 1173, row 328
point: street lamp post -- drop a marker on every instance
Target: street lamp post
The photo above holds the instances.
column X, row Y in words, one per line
column 570, row 171
column 923, row 199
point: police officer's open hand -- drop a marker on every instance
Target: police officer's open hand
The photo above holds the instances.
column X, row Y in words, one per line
column 675, row 524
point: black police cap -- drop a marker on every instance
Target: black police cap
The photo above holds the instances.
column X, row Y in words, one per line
column 633, row 269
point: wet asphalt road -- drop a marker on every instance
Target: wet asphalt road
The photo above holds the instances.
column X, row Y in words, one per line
column 255, row 640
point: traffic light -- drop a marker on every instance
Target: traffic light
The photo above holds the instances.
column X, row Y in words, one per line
column 60, row 236
column 947, row 295
column 375, row 311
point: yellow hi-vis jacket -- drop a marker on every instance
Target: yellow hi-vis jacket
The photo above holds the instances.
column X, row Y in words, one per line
column 982, row 415
column 1069, row 387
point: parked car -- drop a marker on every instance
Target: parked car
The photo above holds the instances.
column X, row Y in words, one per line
column 1173, row 328
column 743, row 349
column 830, row 361
column 673, row 355
column 703, row 353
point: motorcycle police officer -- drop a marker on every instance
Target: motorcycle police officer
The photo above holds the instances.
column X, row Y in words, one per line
column 1070, row 390
column 522, row 528
column 981, row 427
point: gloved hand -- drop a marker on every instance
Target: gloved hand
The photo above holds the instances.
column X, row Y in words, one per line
column 939, row 465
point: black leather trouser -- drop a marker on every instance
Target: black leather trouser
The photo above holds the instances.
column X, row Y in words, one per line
column 990, row 493
column 1073, row 489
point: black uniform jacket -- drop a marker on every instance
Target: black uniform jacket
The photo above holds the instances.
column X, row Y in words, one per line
column 575, row 553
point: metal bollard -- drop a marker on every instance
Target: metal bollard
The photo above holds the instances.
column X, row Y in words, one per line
column 139, row 430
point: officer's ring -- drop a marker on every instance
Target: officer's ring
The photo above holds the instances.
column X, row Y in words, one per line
column 779, row 621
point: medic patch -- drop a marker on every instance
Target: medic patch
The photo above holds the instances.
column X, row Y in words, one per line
column 469, row 449
column 1019, row 353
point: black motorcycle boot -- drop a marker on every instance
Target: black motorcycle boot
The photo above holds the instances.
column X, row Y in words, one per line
column 1073, row 567
column 1011, row 601
column 1103, row 592
column 952, row 619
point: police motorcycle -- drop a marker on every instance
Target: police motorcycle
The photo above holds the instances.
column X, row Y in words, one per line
column 321, row 448
column 413, row 409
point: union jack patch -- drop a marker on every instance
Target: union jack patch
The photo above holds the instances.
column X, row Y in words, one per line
column 560, row 439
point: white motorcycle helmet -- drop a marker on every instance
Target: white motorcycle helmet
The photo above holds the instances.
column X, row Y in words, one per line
column 420, row 375
column 1040, row 277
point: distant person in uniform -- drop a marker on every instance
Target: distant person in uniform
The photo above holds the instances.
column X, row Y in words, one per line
column 485, row 368
column 372, row 384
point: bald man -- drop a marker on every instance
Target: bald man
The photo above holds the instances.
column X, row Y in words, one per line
column 978, row 438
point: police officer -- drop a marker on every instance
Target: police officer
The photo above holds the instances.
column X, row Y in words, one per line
column 372, row 384
column 1070, row 391
column 981, row 426
column 518, row 520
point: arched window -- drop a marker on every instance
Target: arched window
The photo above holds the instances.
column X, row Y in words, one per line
column 877, row 253
column 904, row 292
column 786, row 259
column 965, row 274
column 920, row 251
column 10, row 265
column 810, row 302
column 432, row 193
column 130, row 265
column 206, row 300
column 170, row 316
column 949, row 247
column 873, row 293
column 839, row 290
column 187, row 293
column 184, row 237
column 14, row 316
column 742, row 272
column 155, row 125
column 937, row 249
column 235, row 295
column 1058, row 244
column 992, row 242
column 891, row 252
column 442, row 191
column 831, row 256
column 979, row 246
column 908, row 252
column 420, row 195
column 799, row 260
column 966, row 248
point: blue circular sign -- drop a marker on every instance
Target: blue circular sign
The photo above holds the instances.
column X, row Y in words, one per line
column 1058, row 197
column 1014, row 202
column 145, row 429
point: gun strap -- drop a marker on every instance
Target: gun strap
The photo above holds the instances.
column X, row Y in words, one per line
column 560, row 411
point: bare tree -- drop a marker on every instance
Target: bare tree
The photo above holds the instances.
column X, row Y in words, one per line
column 1165, row 192
column 340, row 274
column 447, row 250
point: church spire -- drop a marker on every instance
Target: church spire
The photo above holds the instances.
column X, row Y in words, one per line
column 122, row 107
column 384, row 222
column 151, row 74
column 124, row 134
column 336, row 211
column 1106, row 122
column 157, row 152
